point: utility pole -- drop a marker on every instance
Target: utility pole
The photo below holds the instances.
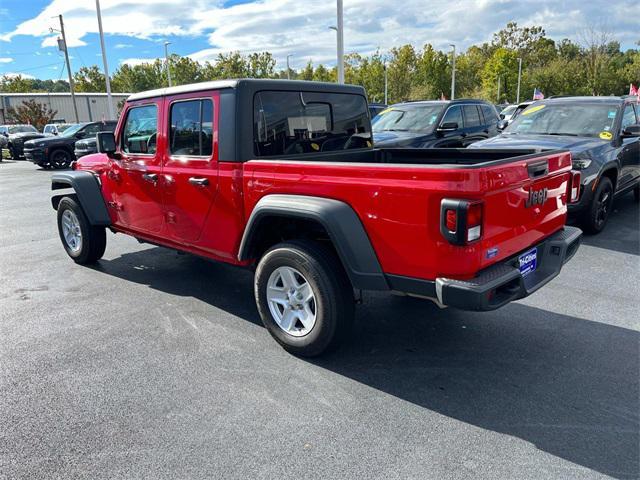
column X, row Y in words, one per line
column 166, row 58
column 519, row 76
column 498, row 89
column 386, row 83
column 453, row 72
column 340, row 31
column 112, row 115
column 66, row 57
column 288, row 69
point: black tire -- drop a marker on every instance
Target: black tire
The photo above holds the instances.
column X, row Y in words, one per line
column 333, row 296
column 59, row 159
column 12, row 154
column 597, row 214
column 93, row 238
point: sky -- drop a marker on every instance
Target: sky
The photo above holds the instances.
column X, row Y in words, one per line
column 135, row 31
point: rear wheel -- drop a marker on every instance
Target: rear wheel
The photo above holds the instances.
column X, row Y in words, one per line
column 304, row 297
column 12, row 153
column 598, row 212
column 83, row 242
column 60, row 159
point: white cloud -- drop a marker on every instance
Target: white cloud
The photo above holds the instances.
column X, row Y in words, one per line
column 123, row 45
column 300, row 28
column 6, row 59
column 16, row 74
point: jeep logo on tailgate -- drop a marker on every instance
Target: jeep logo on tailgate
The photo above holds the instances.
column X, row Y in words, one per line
column 536, row 197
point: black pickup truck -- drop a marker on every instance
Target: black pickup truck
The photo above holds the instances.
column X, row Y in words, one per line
column 603, row 135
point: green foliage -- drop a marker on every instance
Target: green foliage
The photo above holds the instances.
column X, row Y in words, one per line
column 89, row 79
column 32, row 113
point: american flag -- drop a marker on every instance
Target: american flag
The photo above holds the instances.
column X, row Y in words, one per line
column 537, row 94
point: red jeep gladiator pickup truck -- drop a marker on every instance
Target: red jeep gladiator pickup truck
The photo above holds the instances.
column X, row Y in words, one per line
column 282, row 176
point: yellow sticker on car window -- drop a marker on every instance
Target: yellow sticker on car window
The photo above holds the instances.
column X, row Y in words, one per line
column 386, row 110
column 368, row 143
column 315, row 146
column 535, row 109
column 606, row 135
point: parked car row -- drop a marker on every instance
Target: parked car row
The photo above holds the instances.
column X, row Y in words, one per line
column 57, row 147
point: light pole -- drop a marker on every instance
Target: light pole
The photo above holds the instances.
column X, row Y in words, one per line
column 499, row 88
column 519, row 76
column 166, row 58
column 453, row 72
column 340, row 37
column 62, row 45
column 288, row 69
column 386, row 83
column 112, row 115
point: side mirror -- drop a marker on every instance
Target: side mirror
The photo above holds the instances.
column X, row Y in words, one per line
column 502, row 116
column 106, row 142
column 448, row 127
column 502, row 124
column 632, row 131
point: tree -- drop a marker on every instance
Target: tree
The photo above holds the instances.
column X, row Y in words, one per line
column 32, row 113
column 261, row 65
column 89, row 79
column 15, row 84
column 503, row 64
column 400, row 73
column 307, row 72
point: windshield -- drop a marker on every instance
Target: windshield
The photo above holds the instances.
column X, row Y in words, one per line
column 63, row 126
column 508, row 110
column 71, row 130
column 407, row 118
column 21, row 128
column 577, row 119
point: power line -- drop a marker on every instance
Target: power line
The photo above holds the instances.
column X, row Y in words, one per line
column 32, row 68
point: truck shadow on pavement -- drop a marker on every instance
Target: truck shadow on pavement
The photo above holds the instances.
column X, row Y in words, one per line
column 568, row 386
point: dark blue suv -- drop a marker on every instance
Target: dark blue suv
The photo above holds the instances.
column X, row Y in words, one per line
column 435, row 124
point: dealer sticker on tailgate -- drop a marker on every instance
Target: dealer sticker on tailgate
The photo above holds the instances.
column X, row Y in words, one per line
column 528, row 262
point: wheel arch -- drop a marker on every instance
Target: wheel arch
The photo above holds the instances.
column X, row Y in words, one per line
column 88, row 192
column 611, row 172
column 318, row 215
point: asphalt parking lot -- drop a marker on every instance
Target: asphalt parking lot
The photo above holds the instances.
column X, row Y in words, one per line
column 155, row 365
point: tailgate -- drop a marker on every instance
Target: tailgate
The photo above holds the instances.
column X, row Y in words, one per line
column 524, row 201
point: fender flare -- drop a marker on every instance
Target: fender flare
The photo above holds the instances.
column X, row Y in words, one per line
column 88, row 191
column 341, row 223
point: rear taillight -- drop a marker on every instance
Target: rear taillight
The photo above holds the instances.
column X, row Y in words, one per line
column 460, row 220
column 573, row 190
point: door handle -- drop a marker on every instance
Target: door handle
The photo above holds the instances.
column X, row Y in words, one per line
column 150, row 177
column 198, row 181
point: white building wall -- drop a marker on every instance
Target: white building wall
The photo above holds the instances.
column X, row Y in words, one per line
column 91, row 106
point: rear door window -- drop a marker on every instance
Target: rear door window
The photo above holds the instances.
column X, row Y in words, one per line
column 192, row 128
column 140, row 130
column 293, row 123
column 489, row 113
column 471, row 116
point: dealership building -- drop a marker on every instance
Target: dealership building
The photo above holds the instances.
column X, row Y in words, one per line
column 91, row 106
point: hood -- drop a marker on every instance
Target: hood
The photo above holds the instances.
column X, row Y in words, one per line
column 95, row 162
column 50, row 140
column 545, row 142
column 399, row 139
column 25, row 135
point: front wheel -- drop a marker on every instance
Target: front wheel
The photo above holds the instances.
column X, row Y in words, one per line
column 83, row 242
column 597, row 214
column 304, row 297
column 60, row 159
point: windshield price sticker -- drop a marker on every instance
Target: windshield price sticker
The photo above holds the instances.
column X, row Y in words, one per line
column 535, row 109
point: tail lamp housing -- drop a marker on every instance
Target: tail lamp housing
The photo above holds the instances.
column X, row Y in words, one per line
column 573, row 188
column 461, row 221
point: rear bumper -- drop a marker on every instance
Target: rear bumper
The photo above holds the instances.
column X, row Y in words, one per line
column 501, row 283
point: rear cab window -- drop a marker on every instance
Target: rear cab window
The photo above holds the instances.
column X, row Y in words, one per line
column 140, row 131
column 471, row 116
column 191, row 128
column 293, row 123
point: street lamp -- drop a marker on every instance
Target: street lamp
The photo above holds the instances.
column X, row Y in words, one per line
column 166, row 58
column 288, row 69
column 519, row 76
column 340, row 40
column 453, row 72
column 112, row 115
